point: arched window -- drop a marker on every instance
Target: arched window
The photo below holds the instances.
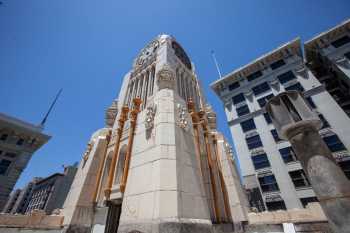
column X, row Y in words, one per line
column 120, row 165
column 104, row 180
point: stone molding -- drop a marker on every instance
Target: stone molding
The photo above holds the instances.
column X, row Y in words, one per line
column 166, row 77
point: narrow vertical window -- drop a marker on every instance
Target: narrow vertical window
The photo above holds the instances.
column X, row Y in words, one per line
column 130, row 92
column 152, row 80
column 146, row 88
column 135, row 89
column 177, row 81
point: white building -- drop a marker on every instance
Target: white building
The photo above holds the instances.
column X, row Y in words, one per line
column 18, row 141
column 271, row 172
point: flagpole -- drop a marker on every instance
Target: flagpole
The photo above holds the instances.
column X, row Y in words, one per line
column 216, row 63
column 51, row 107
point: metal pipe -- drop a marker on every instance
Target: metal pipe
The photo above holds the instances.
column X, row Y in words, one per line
column 222, row 181
column 100, row 169
column 111, row 174
column 133, row 120
column 204, row 124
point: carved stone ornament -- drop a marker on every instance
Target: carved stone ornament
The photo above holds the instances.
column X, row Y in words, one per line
column 166, row 77
column 342, row 61
column 274, row 83
column 150, row 113
column 87, row 152
column 302, row 71
column 146, row 53
column 182, row 114
column 111, row 114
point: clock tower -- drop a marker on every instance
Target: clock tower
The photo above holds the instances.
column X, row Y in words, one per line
column 159, row 165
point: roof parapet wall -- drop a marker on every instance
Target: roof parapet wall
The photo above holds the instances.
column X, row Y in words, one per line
column 284, row 51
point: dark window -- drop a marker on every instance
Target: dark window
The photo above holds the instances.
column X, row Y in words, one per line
column 345, row 166
column 180, row 53
column 334, row 144
column 307, row 200
column 242, row 110
column 238, row 98
column 248, row 125
column 311, row 102
column 267, row 118
column 262, row 101
column 261, row 88
column 341, row 41
column 255, row 199
column 20, row 142
column 299, row 179
column 268, row 183
column 347, row 55
column 288, row 155
column 277, row 64
column 295, row 87
column 275, row 205
column 33, row 141
column 325, row 123
column 285, row 77
column 275, row 135
column 254, row 75
column 4, row 137
column 10, row 154
column 233, row 86
column 4, row 165
column 260, row 161
column 254, row 142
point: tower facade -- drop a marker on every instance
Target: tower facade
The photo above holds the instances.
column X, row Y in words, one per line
column 159, row 165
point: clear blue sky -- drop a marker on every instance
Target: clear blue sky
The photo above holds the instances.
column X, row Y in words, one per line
column 85, row 47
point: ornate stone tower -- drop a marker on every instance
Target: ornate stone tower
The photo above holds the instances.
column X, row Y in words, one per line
column 161, row 166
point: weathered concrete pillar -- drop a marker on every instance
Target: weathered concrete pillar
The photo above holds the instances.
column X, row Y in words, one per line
column 295, row 121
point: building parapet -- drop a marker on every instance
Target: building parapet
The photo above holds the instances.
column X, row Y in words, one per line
column 284, row 51
column 324, row 39
column 312, row 213
column 36, row 220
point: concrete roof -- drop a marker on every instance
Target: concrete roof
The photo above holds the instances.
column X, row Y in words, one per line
column 285, row 50
column 323, row 39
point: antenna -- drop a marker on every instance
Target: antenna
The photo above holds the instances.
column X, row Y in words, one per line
column 216, row 63
column 51, row 107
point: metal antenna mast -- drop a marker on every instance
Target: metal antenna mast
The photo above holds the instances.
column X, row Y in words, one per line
column 216, row 63
column 51, row 107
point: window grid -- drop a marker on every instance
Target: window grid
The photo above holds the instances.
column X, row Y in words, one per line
column 299, row 179
column 254, row 142
column 268, row 183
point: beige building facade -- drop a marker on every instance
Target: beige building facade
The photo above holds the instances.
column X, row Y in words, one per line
column 159, row 165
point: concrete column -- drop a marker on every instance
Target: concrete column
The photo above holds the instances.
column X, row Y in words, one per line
column 330, row 184
column 295, row 121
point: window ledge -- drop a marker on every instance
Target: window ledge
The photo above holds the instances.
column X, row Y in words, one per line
column 303, row 188
column 292, row 162
column 263, row 169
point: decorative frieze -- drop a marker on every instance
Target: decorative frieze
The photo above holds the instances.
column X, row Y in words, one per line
column 166, row 77
column 182, row 116
column 111, row 114
column 149, row 118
